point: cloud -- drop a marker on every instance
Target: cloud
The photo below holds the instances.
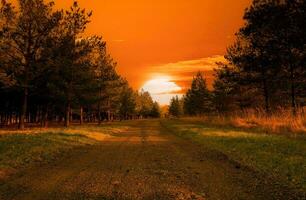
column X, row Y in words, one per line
column 182, row 72
column 162, row 89
column 174, row 79
column 161, row 86
column 202, row 64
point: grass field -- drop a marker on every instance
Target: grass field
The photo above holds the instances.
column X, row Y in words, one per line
column 281, row 156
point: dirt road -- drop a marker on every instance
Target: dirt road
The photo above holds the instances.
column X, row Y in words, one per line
column 145, row 162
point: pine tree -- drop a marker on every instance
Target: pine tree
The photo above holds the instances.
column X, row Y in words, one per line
column 44, row 54
column 23, row 35
column 270, row 52
column 198, row 97
column 230, row 90
column 155, row 111
column 175, row 107
column 127, row 103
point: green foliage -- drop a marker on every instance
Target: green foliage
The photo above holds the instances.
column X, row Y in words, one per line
column 155, row 111
column 144, row 103
column 198, row 97
column 145, row 107
column 268, row 57
column 127, row 103
column 54, row 72
column 230, row 93
column 23, row 35
column 176, row 107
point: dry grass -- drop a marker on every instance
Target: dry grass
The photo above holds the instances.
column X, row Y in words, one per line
column 281, row 121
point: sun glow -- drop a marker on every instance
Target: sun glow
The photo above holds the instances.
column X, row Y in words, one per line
column 162, row 89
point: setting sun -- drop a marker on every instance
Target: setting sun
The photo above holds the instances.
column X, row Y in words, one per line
column 162, row 89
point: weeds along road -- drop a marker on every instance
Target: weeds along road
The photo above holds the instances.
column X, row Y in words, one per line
column 145, row 162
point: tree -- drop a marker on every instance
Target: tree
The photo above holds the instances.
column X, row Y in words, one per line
column 144, row 104
column 231, row 90
column 198, row 98
column 270, row 55
column 48, row 66
column 23, row 35
column 109, row 86
column 225, row 89
column 175, row 107
column 155, row 112
column 72, row 54
column 293, row 40
column 127, row 103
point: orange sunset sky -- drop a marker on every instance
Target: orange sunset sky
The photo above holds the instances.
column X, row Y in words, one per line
column 160, row 44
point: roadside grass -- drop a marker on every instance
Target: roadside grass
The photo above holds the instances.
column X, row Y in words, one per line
column 279, row 122
column 17, row 150
column 20, row 149
column 280, row 156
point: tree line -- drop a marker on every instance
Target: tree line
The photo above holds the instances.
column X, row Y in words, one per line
column 49, row 70
column 265, row 67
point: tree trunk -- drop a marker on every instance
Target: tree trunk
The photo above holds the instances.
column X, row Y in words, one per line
column 293, row 99
column 67, row 117
column 266, row 95
column 99, row 114
column 81, row 115
column 11, row 118
column 99, row 106
column 28, row 58
column 108, row 112
column 108, row 115
column 45, row 117
column 23, row 108
column 265, row 90
column 71, row 115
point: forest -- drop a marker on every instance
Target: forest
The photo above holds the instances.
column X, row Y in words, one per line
column 51, row 71
column 265, row 69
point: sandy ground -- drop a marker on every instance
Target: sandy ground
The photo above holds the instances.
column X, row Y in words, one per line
column 144, row 162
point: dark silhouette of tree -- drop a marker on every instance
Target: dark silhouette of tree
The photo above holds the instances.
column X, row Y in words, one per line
column 176, row 107
column 225, row 89
column 23, row 35
column 230, row 92
column 198, row 98
column 74, row 51
column 155, row 111
column 269, row 54
column 292, row 36
column 50, row 72
column 109, row 86
column 127, row 103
